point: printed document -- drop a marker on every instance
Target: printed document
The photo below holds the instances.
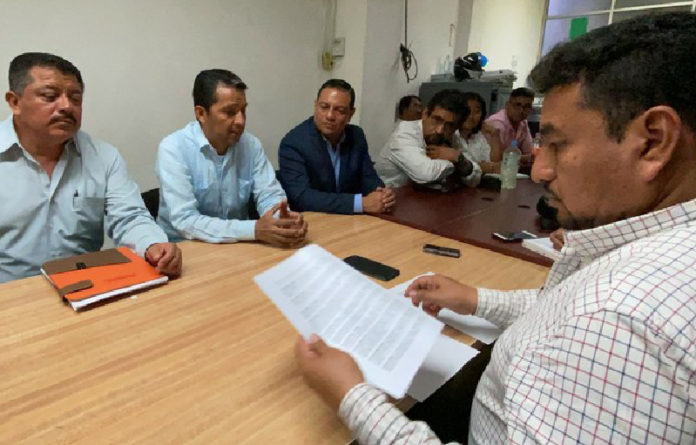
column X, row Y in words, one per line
column 320, row 294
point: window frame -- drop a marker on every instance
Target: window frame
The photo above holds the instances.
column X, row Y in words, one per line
column 612, row 9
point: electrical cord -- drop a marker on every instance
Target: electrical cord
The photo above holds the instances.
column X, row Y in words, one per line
column 408, row 59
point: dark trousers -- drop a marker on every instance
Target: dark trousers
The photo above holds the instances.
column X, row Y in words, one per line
column 447, row 410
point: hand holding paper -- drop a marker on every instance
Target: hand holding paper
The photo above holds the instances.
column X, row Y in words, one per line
column 329, row 371
column 320, row 294
column 436, row 292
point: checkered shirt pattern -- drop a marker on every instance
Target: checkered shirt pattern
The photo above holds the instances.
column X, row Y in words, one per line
column 604, row 353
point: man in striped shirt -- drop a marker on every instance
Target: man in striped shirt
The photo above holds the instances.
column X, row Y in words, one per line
column 605, row 352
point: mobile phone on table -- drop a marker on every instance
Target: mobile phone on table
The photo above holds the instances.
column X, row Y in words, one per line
column 514, row 236
column 439, row 250
column 372, row 268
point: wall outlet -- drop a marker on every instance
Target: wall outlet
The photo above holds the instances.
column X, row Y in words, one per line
column 338, row 48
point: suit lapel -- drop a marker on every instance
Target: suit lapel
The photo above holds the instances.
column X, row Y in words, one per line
column 345, row 162
column 323, row 158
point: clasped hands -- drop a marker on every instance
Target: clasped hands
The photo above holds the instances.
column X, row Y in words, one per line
column 288, row 229
column 332, row 372
column 381, row 200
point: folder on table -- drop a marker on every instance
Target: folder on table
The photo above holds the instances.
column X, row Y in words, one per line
column 91, row 277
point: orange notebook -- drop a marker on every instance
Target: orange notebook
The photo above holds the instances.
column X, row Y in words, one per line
column 86, row 279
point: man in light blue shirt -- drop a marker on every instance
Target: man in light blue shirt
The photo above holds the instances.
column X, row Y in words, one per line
column 211, row 171
column 58, row 185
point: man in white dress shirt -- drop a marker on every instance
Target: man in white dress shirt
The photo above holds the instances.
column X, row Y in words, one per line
column 421, row 151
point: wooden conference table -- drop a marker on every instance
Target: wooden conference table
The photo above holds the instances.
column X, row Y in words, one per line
column 472, row 215
column 206, row 358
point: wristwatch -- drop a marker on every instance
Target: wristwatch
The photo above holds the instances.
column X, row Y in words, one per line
column 464, row 165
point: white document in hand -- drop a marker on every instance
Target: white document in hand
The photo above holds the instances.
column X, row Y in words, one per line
column 477, row 327
column 320, row 294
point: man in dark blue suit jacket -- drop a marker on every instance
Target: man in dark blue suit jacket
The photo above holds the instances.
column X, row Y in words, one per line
column 324, row 162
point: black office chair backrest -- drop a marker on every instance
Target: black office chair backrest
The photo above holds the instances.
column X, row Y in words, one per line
column 151, row 199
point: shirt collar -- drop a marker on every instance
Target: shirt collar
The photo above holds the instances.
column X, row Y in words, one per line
column 593, row 243
column 8, row 137
column 199, row 137
column 328, row 143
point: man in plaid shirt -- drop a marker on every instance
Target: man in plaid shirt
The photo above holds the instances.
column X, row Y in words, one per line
column 605, row 352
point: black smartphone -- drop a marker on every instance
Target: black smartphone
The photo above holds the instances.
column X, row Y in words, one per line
column 372, row 268
column 439, row 250
column 514, row 236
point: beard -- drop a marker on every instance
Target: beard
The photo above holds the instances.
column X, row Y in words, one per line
column 435, row 139
column 570, row 222
column 565, row 219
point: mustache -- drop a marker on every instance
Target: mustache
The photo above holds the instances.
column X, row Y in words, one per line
column 64, row 117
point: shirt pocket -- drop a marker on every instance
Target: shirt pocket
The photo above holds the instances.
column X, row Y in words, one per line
column 206, row 193
column 89, row 215
column 246, row 186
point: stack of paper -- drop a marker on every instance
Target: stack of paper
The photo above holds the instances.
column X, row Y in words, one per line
column 542, row 246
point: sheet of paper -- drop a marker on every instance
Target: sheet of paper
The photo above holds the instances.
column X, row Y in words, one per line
column 477, row 327
column 444, row 360
column 319, row 293
column 542, row 246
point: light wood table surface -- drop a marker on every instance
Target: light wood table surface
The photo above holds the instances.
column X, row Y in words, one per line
column 206, row 358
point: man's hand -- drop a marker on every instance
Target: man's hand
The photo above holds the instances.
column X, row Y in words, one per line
column 287, row 230
column 489, row 167
column 381, row 200
column 437, row 292
column 388, row 197
column 557, row 239
column 328, row 371
column 166, row 257
column 442, row 152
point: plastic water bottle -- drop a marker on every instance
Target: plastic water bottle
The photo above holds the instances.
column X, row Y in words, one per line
column 510, row 166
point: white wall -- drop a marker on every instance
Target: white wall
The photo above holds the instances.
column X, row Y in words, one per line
column 461, row 44
column 508, row 33
column 139, row 59
column 376, row 73
column 351, row 24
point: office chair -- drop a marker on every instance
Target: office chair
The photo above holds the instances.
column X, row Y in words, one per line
column 151, row 199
